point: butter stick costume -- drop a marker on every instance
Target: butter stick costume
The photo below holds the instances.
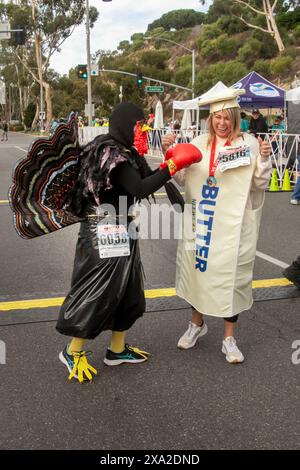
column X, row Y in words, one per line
column 216, row 255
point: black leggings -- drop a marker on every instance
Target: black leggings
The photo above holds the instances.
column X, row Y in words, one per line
column 233, row 319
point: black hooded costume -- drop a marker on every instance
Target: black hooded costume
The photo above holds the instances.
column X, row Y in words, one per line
column 108, row 294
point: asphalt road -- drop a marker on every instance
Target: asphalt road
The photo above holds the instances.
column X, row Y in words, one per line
column 178, row 399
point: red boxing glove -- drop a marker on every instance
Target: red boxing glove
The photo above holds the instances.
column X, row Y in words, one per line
column 181, row 156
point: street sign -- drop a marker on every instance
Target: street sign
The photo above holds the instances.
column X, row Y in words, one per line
column 42, row 115
column 94, row 70
column 5, row 31
column 154, row 89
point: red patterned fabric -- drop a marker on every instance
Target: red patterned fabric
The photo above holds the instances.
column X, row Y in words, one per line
column 140, row 139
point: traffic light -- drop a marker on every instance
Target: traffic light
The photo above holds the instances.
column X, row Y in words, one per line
column 20, row 37
column 139, row 79
column 82, row 71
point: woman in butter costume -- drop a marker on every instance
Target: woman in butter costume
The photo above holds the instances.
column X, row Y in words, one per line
column 224, row 200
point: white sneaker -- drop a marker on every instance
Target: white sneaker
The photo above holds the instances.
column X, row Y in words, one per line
column 192, row 334
column 233, row 354
column 295, row 201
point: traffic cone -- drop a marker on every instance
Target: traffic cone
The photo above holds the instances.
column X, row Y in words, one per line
column 274, row 186
column 286, row 185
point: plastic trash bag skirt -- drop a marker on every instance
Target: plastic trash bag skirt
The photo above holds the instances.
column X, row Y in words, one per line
column 106, row 294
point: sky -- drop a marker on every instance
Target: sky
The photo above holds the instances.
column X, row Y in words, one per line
column 117, row 21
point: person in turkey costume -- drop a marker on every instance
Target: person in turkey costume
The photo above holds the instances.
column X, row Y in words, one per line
column 59, row 184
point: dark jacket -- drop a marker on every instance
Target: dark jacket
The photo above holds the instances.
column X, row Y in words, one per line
column 258, row 125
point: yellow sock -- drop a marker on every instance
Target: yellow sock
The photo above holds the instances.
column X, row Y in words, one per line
column 117, row 344
column 76, row 345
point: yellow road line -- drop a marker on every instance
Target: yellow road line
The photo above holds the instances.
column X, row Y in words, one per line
column 265, row 283
column 156, row 293
column 33, row 303
column 4, row 201
column 149, row 294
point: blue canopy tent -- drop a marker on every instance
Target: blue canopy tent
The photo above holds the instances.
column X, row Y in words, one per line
column 260, row 93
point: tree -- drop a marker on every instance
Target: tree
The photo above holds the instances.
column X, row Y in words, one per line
column 265, row 9
column 48, row 23
column 268, row 11
column 178, row 19
column 123, row 46
column 156, row 58
column 29, row 114
column 229, row 73
column 217, row 9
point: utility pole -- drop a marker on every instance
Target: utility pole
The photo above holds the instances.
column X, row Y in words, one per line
column 89, row 77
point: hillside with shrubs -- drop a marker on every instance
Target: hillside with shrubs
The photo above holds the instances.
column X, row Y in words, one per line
column 226, row 49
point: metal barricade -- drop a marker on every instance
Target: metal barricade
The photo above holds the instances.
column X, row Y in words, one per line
column 88, row 133
column 285, row 147
column 155, row 137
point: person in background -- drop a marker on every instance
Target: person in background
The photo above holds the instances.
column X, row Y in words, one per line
column 278, row 126
column 176, row 130
column 53, row 126
column 150, row 121
column 5, row 131
column 295, row 200
column 258, row 124
column 244, row 122
column 276, row 129
column 223, row 206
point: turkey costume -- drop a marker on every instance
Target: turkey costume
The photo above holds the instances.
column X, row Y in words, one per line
column 58, row 184
column 107, row 288
column 216, row 255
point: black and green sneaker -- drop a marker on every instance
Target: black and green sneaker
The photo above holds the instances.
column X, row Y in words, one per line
column 130, row 355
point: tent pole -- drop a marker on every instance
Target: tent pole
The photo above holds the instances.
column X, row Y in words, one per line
column 197, row 121
column 285, row 117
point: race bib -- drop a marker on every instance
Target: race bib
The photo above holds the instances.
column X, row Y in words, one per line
column 233, row 157
column 113, row 240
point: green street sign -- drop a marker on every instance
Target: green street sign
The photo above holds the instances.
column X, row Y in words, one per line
column 155, row 89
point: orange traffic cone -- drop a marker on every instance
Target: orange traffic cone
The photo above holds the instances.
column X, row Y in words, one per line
column 274, row 186
column 286, row 185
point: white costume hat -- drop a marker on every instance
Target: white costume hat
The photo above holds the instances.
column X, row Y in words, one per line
column 220, row 100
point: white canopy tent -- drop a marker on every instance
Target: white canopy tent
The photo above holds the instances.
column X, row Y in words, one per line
column 293, row 106
column 193, row 104
column 293, row 95
column 159, row 116
column 186, row 122
column 188, row 104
